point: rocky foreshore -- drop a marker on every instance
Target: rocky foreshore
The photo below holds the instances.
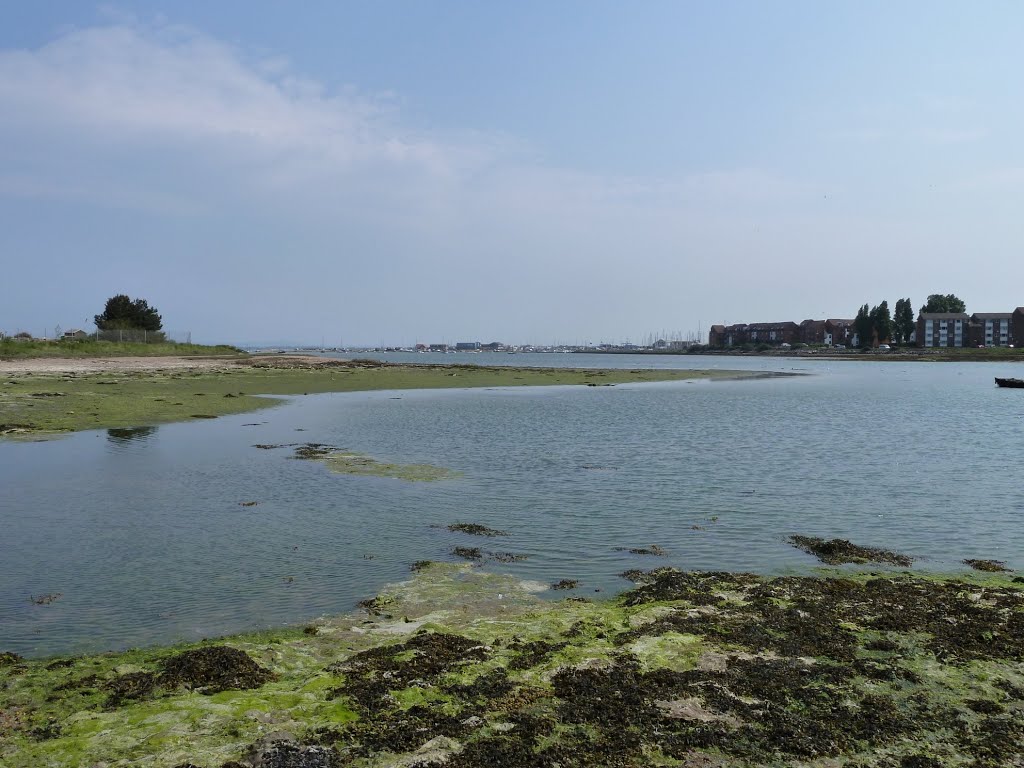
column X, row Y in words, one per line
column 459, row 667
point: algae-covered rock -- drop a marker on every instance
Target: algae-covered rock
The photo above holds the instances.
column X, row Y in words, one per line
column 468, row 553
column 989, row 566
column 841, row 551
column 283, row 751
column 213, row 669
column 128, row 687
column 351, row 463
column 475, row 529
column 704, row 670
column 565, row 584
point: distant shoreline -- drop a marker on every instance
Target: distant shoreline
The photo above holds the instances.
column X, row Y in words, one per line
column 915, row 355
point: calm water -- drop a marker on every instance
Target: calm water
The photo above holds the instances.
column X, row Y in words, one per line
column 143, row 535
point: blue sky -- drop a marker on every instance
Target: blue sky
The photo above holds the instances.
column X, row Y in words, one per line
column 571, row 171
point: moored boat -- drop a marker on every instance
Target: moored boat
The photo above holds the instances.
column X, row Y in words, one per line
column 1013, row 383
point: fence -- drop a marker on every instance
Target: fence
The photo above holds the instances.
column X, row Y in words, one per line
column 144, row 337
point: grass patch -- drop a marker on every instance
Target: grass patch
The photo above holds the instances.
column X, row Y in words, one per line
column 9, row 348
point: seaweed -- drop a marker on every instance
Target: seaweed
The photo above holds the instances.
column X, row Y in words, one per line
column 989, row 566
column 566, row 584
column 654, row 549
column 841, row 551
column 213, row 669
column 531, row 654
column 475, row 529
column 129, row 687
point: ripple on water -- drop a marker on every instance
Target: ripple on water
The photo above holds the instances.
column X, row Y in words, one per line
column 143, row 533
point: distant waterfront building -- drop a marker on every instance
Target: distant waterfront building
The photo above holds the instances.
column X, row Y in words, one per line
column 838, row 331
column 933, row 329
column 753, row 333
column 813, row 331
column 467, row 346
column 992, row 329
column 942, row 329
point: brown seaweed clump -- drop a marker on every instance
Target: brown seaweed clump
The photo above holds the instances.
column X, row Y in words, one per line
column 213, row 669
column 312, row 451
column 427, row 661
column 989, row 566
column 654, row 549
column 566, row 584
column 475, row 529
column 129, row 687
column 841, row 551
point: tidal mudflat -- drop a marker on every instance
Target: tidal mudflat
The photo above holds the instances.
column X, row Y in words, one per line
column 459, row 667
column 53, row 396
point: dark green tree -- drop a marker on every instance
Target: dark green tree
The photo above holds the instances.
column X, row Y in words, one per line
column 864, row 324
column 881, row 322
column 903, row 321
column 948, row 303
column 123, row 313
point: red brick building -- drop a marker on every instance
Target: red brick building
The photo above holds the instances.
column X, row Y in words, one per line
column 813, row 331
column 838, row 331
column 754, row 333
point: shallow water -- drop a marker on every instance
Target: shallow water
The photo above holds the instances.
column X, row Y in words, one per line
column 144, row 537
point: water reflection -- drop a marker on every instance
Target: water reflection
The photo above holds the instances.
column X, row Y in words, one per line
column 130, row 434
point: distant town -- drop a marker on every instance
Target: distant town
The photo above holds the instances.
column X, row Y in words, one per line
column 941, row 323
column 931, row 329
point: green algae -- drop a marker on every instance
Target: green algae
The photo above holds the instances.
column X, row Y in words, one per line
column 349, row 463
column 346, row 463
column 471, row 668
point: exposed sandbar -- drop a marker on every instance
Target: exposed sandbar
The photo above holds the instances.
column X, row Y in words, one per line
column 45, row 395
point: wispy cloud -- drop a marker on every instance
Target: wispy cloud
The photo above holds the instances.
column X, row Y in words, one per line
column 239, row 159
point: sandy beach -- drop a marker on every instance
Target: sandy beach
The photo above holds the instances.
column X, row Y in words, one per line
column 51, row 365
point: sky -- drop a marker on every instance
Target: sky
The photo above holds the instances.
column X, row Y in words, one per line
column 532, row 172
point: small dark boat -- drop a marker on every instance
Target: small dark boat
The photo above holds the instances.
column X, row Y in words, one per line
column 1014, row 383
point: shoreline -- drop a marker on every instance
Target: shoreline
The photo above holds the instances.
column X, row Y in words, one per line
column 52, row 396
column 465, row 668
column 915, row 355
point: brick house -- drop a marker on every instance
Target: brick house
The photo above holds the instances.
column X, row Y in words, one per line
column 943, row 329
column 838, row 331
column 991, row 329
column 813, row 331
column 1017, row 326
column 773, row 333
column 728, row 335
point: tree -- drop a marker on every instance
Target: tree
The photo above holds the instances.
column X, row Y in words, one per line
column 903, row 321
column 123, row 313
column 864, row 324
column 948, row 303
column 881, row 322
